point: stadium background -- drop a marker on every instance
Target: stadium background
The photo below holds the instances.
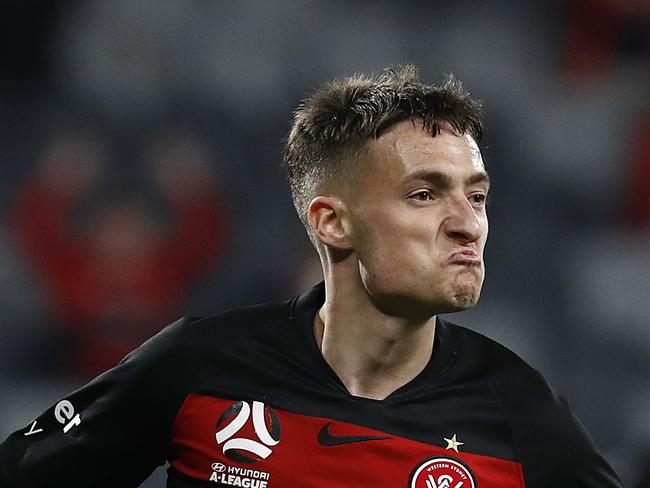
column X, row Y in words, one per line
column 141, row 147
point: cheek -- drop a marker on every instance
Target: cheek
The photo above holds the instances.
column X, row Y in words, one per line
column 389, row 243
column 485, row 226
column 379, row 231
column 483, row 240
column 375, row 239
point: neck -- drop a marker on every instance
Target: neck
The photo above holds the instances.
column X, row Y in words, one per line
column 372, row 353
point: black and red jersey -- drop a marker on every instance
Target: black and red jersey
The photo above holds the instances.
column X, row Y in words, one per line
column 246, row 399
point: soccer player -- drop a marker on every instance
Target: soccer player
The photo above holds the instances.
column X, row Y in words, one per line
column 358, row 382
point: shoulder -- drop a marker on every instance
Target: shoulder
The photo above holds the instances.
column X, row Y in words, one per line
column 211, row 331
column 479, row 354
column 549, row 438
column 186, row 348
column 517, row 383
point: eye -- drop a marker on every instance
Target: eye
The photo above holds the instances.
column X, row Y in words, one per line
column 422, row 196
column 479, row 199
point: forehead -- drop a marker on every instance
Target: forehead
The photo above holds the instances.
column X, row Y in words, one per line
column 407, row 147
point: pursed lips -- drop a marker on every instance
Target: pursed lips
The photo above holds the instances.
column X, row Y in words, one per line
column 464, row 257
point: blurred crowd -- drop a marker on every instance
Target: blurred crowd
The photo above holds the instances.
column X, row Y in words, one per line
column 141, row 149
column 112, row 268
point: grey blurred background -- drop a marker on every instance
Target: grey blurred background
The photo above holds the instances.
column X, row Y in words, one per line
column 141, row 147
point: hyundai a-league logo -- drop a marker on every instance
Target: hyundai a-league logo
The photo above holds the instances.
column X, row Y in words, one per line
column 218, row 467
column 240, row 447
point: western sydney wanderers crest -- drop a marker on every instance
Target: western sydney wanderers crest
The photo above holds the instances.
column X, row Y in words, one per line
column 241, row 443
column 441, row 472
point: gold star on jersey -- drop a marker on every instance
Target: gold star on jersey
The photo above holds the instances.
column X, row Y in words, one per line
column 453, row 443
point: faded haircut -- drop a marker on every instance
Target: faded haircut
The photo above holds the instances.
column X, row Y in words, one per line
column 331, row 126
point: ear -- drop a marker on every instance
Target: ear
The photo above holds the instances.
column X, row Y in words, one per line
column 328, row 218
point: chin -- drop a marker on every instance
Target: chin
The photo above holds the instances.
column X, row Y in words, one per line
column 464, row 294
column 463, row 297
column 463, row 302
column 425, row 303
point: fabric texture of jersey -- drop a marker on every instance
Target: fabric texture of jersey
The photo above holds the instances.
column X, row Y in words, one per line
column 245, row 399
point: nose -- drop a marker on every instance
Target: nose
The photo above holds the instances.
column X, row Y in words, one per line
column 462, row 225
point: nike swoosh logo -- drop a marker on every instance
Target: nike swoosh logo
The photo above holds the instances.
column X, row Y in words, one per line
column 327, row 439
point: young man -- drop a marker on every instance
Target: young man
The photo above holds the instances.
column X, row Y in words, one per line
column 357, row 382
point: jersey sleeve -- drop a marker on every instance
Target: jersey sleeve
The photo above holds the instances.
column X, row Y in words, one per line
column 111, row 432
column 553, row 446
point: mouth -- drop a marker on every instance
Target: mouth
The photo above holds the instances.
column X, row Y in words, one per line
column 466, row 257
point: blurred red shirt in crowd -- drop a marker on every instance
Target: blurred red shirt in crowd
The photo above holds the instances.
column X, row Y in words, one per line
column 600, row 33
column 638, row 196
column 603, row 37
column 115, row 282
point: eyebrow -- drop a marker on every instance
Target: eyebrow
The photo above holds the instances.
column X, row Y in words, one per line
column 443, row 180
column 480, row 177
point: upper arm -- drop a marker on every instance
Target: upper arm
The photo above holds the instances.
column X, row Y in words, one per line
column 111, row 432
